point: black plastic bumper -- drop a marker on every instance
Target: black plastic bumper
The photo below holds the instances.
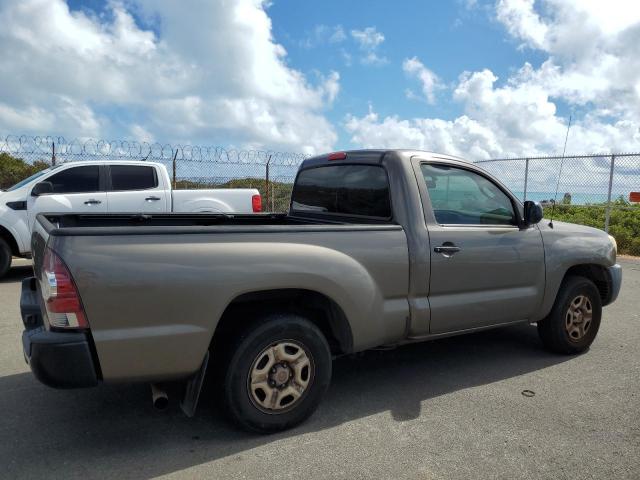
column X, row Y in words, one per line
column 57, row 359
column 615, row 273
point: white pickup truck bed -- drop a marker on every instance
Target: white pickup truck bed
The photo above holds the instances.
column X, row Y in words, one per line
column 218, row 200
column 104, row 187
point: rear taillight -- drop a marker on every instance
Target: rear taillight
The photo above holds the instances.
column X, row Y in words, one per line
column 256, row 203
column 61, row 299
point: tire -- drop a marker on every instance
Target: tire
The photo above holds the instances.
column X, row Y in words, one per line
column 5, row 257
column 256, row 395
column 572, row 325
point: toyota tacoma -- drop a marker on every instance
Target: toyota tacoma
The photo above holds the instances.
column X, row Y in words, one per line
column 379, row 248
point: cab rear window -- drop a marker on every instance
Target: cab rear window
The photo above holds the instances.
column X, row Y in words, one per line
column 350, row 190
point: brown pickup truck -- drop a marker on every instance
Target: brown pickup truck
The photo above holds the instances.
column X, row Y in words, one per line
column 380, row 247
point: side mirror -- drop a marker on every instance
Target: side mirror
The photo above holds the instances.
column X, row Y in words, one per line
column 42, row 188
column 532, row 212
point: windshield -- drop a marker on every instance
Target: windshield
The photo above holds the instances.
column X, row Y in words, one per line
column 28, row 179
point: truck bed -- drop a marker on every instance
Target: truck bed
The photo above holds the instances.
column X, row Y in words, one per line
column 154, row 287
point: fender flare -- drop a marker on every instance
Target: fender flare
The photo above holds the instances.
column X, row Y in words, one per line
column 14, row 240
column 207, row 205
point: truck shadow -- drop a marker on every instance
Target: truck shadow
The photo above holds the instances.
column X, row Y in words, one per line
column 50, row 433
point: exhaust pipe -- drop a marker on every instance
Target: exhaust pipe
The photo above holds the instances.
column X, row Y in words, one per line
column 159, row 397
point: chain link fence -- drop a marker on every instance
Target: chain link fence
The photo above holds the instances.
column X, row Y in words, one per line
column 603, row 184
column 596, row 187
column 272, row 173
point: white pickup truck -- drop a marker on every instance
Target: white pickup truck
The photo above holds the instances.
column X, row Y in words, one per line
column 100, row 187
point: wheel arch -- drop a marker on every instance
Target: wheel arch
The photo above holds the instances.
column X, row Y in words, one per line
column 317, row 307
column 598, row 274
column 203, row 204
column 6, row 234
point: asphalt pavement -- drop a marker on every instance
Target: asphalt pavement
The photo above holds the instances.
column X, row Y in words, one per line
column 452, row 408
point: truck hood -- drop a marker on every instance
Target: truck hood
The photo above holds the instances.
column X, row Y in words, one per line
column 18, row 195
column 572, row 239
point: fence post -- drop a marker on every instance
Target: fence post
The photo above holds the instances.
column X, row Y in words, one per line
column 526, row 178
column 53, row 153
column 607, row 214
column 266, row 183
column 175, row 155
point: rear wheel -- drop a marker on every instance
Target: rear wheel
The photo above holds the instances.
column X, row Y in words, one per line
column 574, row 320
column 5, row 257
column 278, row 372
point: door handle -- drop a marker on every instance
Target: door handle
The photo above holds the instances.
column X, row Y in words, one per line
column 92, row 202
column 152, row 199
column 446, row 249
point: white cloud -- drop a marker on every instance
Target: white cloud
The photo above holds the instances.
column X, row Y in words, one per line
column 430, row 81
column 330, row 86
column 61, row 113
column 368, row 41
column 62, row 68
column 28, row 118
column 592, row 65
column 593, row 47
column 566, row 21
column 372, row 58
column 522, row 21
column 322, row 34
column 462, row 136
column 368, row 38
column 338, row 35
column 346, row 56
column 141, row 134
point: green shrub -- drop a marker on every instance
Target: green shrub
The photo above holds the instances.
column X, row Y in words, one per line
column 624, row 221
column 14, row 169
column 279, row 192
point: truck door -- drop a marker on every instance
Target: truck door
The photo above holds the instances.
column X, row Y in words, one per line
column 136, row 188
column 74, row 189
column 485, row 268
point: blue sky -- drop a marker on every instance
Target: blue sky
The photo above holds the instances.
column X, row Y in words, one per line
column 439, row 33
column 477, row 78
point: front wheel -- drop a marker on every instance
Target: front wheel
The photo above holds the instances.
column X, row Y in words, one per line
column 574, row 320
column 5, row 257
column 278, row 372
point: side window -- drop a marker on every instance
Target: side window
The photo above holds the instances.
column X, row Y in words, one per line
column 84, row 179
column 462, row 197
column 133, row 177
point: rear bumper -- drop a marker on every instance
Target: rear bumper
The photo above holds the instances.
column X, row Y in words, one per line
column 57, row 359
column 615, row 273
